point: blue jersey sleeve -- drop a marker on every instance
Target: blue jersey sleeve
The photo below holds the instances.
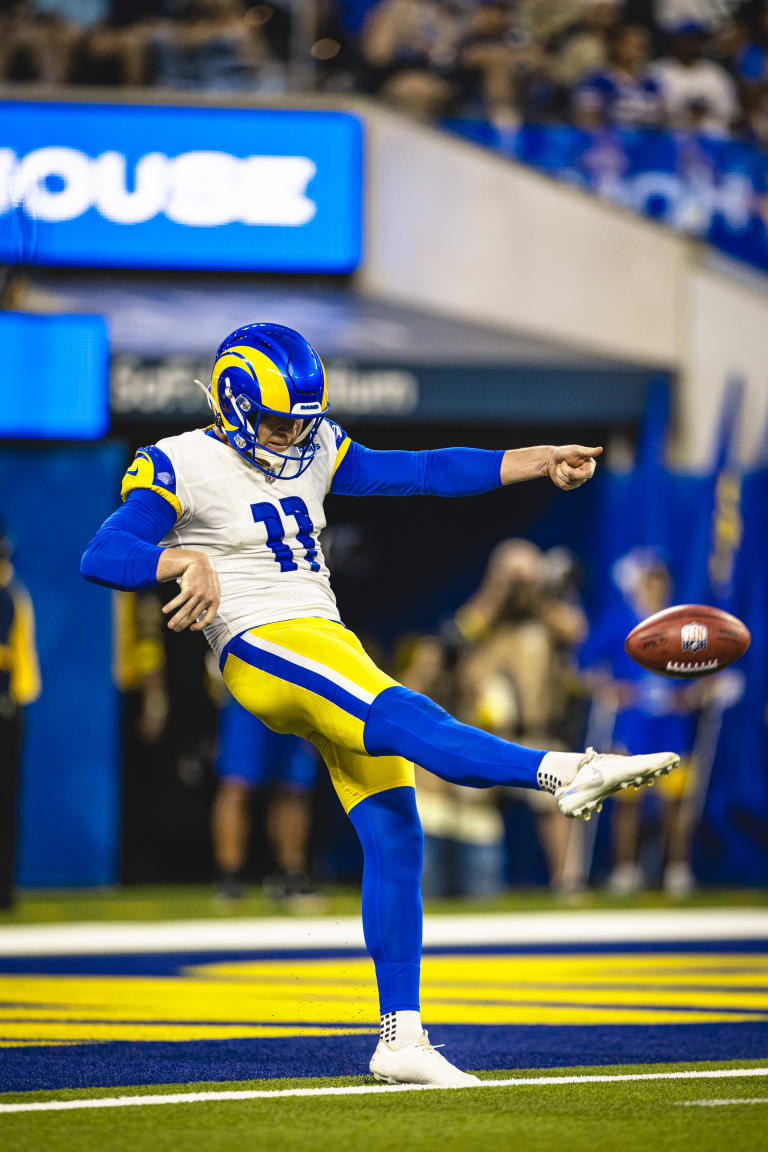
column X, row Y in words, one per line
column 124, row 552
column 435, row 472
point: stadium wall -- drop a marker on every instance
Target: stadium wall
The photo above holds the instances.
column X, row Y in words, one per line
column 460, row 230
column 566, row 266
column 725, row 337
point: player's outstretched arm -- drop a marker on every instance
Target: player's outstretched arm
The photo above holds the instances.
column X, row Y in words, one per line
column 568, row 466
column 362, row 471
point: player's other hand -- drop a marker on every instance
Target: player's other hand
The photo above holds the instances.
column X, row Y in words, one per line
column 571, row 465
column 197, row 603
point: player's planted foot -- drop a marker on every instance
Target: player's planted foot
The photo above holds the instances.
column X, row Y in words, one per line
column 601, row 774
column 418, row 1063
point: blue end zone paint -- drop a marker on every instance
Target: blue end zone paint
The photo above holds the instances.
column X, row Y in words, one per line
column 487, row 1047
column 172, row 963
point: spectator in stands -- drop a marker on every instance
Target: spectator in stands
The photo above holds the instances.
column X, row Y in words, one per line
column 501, row 68
column 585, row 48
column 746, row 50
column 698, row 93
column 543, row 20
column 624, row 94
column 709, row 13
column 112, row 54
column 211, row 46
column 751, row 55
column 36, row 47
column 409, row 49
column 19, row 686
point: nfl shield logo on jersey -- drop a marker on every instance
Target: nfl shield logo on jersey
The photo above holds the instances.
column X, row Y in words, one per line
column 693, row 637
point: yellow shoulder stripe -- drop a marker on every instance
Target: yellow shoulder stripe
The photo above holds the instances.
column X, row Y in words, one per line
column 141, row 474
column 343, row 449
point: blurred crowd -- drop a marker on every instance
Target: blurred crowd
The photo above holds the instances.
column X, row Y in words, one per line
column 692, row 65
column 519, row 659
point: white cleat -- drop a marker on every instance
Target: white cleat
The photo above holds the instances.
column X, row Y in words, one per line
column 599, row 775
column 418, row 1063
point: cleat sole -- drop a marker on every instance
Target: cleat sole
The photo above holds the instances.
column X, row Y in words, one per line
column 636, row 782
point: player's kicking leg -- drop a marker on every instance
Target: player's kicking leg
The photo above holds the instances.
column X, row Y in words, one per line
column 313, row 678
column 410, row 725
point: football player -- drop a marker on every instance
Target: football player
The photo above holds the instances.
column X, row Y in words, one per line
column 233, row 513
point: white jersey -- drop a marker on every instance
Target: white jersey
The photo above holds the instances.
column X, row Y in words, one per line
column 261, row 534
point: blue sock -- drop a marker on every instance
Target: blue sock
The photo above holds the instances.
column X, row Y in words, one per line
column 393, row 849
column 404, row 723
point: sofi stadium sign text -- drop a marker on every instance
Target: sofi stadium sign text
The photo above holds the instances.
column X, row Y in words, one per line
column 179, row 187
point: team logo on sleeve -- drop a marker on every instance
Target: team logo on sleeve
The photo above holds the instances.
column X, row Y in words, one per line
column 338, row 433
column 152, row 470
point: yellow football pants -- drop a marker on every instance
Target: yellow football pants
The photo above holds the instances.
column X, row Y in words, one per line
column 313, row 678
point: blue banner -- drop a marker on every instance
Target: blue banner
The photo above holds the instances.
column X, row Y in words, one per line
column 176, row 187
column 709, row 188
column 55, row 373
column 70, row 782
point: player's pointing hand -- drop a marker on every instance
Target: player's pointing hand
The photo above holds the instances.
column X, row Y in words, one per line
column 571, row 465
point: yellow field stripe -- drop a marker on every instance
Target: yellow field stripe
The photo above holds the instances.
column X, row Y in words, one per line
column 76, row 1032
column 261, row 998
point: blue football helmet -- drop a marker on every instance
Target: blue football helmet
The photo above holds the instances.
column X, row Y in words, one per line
column 268, row 368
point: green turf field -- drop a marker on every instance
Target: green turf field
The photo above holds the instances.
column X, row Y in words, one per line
column 108, row 1020
column 652, row 1115
column 194, row 901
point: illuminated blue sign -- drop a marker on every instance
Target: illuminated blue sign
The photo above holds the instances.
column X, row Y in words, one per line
column 159, row 187
column 55, row 374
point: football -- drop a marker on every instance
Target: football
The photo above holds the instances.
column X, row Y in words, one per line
column 688, row 640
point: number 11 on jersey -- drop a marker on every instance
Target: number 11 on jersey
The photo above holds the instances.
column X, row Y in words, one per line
column 267, row 514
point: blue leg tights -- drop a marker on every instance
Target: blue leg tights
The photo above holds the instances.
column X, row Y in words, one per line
column 404, row 723
column 393, row 848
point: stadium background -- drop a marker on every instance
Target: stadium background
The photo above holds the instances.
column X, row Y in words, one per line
column 470, row 272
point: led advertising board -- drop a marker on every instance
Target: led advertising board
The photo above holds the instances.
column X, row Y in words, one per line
column 55, row 376
column 148, row 186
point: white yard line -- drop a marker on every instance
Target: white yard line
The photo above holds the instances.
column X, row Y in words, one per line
column 368, row 1089
column 721, row 1103
column 275, row 934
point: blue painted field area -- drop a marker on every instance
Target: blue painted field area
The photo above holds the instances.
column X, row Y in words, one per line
column 490, row 1048
column 165, row 1016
